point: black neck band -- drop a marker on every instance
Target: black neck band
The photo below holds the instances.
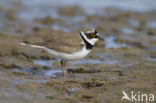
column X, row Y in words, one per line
column 88, row 45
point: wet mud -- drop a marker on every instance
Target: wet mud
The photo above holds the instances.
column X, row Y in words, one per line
column 125, row 61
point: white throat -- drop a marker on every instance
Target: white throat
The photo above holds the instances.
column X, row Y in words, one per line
column 90, row 41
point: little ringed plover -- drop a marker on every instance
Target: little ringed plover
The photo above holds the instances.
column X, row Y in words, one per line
column 68, row 48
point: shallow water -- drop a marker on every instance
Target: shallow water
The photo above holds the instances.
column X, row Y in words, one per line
column 41, row 8
column 133, row 22
column 52, row 72
column 44, row 62
column 128, row 31
column 134, row 5
column 151, row 24
column 58, row 27
column 110, row 43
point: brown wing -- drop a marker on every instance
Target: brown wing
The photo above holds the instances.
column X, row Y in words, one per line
column 67, row 43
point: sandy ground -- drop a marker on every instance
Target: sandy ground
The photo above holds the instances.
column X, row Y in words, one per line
column 126, row 61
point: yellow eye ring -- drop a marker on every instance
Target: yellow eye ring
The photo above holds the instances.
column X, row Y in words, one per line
column 93, row 35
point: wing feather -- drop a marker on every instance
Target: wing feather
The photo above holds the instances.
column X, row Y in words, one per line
column 67, row 43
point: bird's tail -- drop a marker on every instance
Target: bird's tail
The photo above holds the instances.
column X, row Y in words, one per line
column 26, row 43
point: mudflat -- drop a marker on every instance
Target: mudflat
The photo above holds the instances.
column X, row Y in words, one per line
column 126, row 61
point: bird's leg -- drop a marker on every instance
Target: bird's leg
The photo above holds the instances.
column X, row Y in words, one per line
column 63, row 65
column 66, row 72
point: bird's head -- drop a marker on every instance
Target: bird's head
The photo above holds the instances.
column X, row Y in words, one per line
column 90, row 35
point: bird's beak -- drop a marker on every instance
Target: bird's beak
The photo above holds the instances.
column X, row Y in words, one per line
column 100, row 38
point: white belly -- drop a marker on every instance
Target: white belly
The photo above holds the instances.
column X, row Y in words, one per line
column 74, row 56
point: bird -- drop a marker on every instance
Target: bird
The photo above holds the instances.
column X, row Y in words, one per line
column 67, row 47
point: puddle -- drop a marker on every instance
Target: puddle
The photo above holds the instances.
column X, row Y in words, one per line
column 133, row 22
column 128, row 31
column 149, row 58
column 37, row 9
column 151, row 24
column 92, row 61
column 49, row 63
column 58, row 27
column 44, row 62
column 110, row 43
column 52, row 72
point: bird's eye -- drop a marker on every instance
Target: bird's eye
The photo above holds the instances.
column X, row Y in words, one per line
column 93, row 35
